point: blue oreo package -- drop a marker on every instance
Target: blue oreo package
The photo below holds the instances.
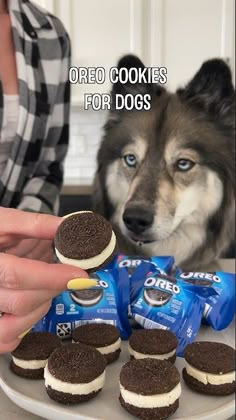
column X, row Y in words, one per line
column 162, row 302
column 219, row 309
column 107, row 302
column 163, row 264
column 137, row 267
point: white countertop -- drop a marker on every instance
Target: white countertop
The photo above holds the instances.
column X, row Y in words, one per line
column 10, row 411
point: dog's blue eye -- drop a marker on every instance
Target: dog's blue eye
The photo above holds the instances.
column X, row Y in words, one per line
column 184, row 165
column 130, row 160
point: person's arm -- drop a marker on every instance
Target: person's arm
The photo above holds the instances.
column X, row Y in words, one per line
column 41, row 193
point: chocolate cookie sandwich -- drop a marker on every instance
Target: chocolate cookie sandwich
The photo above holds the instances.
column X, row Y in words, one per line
column 210, row 368
column 74, row 373
column 104, row 337
column 150, row 388
column 154, row 297
column 86, row 240
column 87, row 297
column 31, row 356
column 155, row 343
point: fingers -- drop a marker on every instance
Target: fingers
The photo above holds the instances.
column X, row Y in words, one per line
column 7, row 348
column 42, row 252
column 20, row 303
column 47, row 256
column 21, row 273
column 24, row 248
column 12, row 326
column 8, row 241
column 35, row 249
column 26, row 224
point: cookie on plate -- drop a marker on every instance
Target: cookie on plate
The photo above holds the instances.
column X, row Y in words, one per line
column 31, row 356
column 210, row 368
column 150, row 388
column 104, row 337
column 86, row 240
column 154, row 343
column 74, row 373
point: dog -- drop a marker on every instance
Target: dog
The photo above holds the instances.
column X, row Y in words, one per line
column 166, row 177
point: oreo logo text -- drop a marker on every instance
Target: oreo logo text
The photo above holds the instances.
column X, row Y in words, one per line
column 202, row 276
column 102, row 283
column 130, row 263
column 162, row 284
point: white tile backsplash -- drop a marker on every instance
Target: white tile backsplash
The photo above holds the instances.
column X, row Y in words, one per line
column 85, row 137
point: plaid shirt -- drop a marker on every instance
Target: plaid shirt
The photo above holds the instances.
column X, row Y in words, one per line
column 33, row 175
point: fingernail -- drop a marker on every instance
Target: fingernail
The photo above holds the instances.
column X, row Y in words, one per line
column 24, row 333
column 77, row 284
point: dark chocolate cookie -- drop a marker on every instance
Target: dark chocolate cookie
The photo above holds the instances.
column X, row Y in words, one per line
column 37, row 346
column 220, row 390
column 210, row 357
column 150, row 388
column 75, row 373
column 30, row 357
column 159, row 413
column 210, row 368
column 102, row 336
column 149, row 376
column 153, row 342
column 85, row 239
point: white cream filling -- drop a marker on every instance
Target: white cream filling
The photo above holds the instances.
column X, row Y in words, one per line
column 29, row 364
column 86, row 302
column 88, row 263
column 107, row 349
column 138, row 355
column 111, row 348
column 74, row 389
column 76, row 212
column 151, row 401
column 210, row 378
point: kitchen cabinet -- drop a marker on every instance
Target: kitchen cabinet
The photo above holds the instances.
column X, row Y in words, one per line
column 177, row 34
column 101, row 32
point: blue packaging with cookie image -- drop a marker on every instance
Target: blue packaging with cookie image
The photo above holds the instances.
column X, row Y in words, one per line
column 163, row 264
column 107, row 302
column 137, row 267
column 176, row 306
column 219, row 309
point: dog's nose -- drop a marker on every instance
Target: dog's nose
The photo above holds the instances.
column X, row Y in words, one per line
column 137, row 219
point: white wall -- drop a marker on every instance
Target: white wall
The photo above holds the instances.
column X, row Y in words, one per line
column 177, row 34
column 194, row 31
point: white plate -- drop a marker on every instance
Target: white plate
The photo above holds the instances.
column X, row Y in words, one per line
column 32, row 396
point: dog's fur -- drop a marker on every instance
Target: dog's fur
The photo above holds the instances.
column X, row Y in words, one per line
column 189, row 214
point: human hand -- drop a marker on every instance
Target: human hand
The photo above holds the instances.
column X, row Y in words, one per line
column 27, row 286
column 35, row 249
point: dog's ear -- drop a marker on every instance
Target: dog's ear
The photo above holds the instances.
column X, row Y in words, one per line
column 211, row 90
column 132, row 61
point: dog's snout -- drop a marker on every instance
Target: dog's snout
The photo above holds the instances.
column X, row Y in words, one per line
column 137, row 219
